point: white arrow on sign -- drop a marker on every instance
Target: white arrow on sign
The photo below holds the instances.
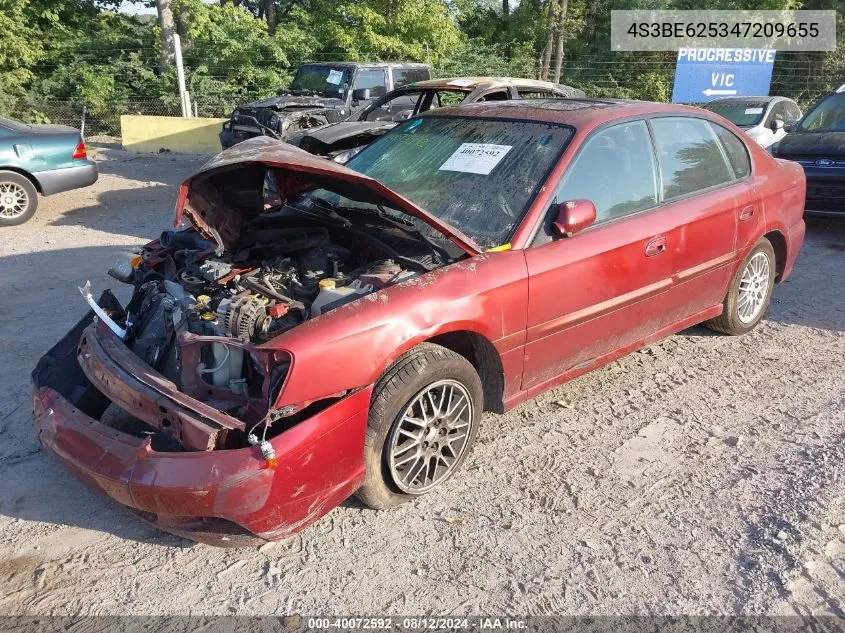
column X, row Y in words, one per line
column 710, row 92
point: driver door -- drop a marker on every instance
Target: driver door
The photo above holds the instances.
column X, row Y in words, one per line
column 600, row 290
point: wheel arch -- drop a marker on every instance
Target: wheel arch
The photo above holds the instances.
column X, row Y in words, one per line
column 778, row 242
column 25, row 174
column 483, row 356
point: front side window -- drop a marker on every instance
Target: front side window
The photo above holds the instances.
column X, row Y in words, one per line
column 735, row 149
column 398, row 108
column 793, row 112
column 828, row 115
column 449, row 98
column 327, row 81
column 690, row 156
column 477, row 175
column 533, row 93
column 496, row 95
column 615, row 170
column 778, row 113
column 372, row 79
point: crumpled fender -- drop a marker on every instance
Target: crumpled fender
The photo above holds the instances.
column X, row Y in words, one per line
column 351, row 346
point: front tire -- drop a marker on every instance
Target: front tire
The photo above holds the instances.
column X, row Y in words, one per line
column 749, row 294
column 18, row 198
column 423, row 421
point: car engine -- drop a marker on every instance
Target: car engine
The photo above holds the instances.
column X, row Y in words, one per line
column 275, row 280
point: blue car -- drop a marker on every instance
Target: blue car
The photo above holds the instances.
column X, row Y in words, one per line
column 39, row 159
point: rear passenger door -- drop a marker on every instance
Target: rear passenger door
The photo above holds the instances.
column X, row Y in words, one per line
column 704, row 199
column 602, row 289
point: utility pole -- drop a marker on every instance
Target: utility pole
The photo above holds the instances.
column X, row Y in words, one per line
column 180, row 77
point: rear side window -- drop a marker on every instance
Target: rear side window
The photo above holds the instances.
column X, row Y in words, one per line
column 735, row 149
column 615, row 170
column 372, row 79
column 405, row 76
column 690, row 156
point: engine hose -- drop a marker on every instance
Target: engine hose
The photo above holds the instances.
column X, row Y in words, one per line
column 260, row 288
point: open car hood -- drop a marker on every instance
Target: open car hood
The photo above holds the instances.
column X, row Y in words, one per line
column 221, row 198
column 335, row 132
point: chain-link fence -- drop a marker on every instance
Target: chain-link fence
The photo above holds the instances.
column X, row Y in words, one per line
column 802, row 77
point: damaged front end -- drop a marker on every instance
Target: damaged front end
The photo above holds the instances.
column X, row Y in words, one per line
column 281, row 117
column 186, row 454
column 174, row 405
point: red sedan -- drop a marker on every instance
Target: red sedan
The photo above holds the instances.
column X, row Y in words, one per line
column 322, row 330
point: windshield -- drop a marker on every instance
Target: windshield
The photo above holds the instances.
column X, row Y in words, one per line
column 741, row 113
column 329, row 81
column 9, row 124
column 477, row 175
column 827, row 116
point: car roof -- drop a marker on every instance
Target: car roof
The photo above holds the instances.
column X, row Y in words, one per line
column 764, row 98
column 468, row 84
column 575, row 112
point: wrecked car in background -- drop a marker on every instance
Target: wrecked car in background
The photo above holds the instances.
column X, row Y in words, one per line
column 276, row 358
column 319, row 94
column 341, row 141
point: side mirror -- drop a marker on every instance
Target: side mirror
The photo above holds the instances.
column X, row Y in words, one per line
column 574, row 216
column 361, row 94
column 790, row 125
column 777, row 125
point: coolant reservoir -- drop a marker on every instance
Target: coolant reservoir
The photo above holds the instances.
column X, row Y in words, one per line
column 331, row 296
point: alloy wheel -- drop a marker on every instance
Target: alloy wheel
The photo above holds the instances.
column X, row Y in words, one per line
column 753, row 287
column 14, row 200
column 430, row 436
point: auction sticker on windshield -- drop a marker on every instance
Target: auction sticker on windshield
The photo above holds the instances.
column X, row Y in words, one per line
column 475, row 158
column 753, row 110
column 334, row 76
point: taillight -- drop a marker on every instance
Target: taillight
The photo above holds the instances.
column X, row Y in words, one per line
column 79, row 152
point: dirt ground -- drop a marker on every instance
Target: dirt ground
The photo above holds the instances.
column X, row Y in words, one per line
column 702, row 475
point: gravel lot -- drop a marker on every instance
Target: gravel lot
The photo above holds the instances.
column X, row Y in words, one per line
column 702, row 475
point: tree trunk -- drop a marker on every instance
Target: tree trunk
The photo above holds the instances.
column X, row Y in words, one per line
column 550, row 34
column 506, row 28
column 168, row 44
column 270, row 12
column 560, row 22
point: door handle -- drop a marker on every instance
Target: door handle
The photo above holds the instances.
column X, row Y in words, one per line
column 747, row 213
column 655, row 247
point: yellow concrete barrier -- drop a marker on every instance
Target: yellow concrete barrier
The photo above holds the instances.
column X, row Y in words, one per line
column 152, row 133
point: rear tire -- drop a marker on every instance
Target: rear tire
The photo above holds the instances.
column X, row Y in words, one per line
column 18, row 198
column 749, row 293
column 424, row 418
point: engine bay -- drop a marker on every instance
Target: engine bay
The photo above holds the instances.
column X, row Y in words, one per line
column 276, row 279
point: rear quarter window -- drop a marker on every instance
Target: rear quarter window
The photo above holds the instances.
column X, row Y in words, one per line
column 735, row 149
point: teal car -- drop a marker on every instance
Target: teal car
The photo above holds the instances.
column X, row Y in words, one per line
column 39, row 160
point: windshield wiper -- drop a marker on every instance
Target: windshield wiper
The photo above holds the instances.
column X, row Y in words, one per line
column 327, row 208
column 328, row 212
column 438, row 252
